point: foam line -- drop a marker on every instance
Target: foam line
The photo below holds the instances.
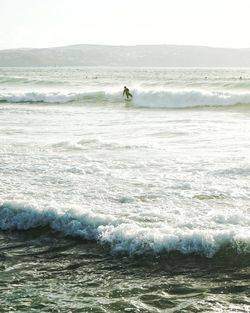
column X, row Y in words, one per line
column 142, row 98
column 120, row 234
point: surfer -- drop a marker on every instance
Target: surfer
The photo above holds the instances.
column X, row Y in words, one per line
column 126, row 92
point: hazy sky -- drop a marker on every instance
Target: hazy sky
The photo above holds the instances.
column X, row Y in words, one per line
column 47, row 23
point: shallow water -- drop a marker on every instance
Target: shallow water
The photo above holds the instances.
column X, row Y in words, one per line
column 46, row 273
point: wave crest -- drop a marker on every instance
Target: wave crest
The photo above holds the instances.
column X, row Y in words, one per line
column 188, row 98
column 120, row 234
column 142, row 98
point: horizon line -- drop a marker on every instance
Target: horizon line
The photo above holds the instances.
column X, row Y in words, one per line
column 122, row 45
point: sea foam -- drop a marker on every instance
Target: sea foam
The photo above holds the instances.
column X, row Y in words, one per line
column 152, row 98
column 120, row 234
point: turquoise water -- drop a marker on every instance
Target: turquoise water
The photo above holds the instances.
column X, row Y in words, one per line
column 108, row 205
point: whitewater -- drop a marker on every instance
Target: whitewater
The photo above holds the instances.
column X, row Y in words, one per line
column 137, row 205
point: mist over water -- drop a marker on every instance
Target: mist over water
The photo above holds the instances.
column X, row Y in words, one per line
column 112, row 205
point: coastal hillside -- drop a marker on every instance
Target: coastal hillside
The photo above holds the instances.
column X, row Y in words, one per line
column 141, row 55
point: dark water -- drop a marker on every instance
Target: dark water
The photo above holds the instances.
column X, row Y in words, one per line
column 44, row 272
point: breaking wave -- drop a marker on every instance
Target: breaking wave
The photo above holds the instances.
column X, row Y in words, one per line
column 53, row 97
column 120, row 234
column 141, row 98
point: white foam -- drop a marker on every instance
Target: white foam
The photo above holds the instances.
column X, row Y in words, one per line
column 48, row 97
column 121, row 234
column 187, row 98
column 57, row 96
column 136, row 240
column 152, row 98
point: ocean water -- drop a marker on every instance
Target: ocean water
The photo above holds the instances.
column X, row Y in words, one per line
column 109, row 205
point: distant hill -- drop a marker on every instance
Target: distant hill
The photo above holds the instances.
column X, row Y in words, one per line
column 142, row 55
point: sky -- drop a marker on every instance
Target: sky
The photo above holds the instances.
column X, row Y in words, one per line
column 52, row 23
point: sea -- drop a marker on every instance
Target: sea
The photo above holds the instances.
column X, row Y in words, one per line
column 110, row 204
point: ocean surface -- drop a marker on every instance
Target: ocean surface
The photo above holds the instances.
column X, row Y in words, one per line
column 110, row 205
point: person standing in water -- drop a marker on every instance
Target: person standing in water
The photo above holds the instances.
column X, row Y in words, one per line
column 127, row 93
